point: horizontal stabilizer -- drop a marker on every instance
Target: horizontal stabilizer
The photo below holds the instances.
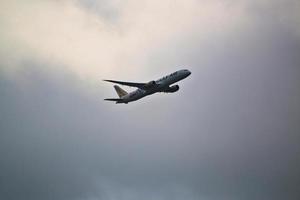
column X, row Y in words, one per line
column 113, row 99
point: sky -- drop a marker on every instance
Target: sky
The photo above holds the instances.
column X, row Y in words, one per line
column 231, row 132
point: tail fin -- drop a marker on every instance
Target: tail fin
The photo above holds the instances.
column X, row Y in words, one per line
column 120, row 91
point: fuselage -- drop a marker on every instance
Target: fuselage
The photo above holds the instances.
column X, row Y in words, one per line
column 160, row 85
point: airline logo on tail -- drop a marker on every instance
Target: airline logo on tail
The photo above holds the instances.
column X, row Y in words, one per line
column 120, row 91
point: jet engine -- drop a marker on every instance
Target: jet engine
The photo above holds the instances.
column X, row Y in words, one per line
column 172, row 89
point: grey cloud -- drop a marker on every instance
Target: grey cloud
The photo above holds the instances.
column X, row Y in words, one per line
column 105, row 9
column 231, row 132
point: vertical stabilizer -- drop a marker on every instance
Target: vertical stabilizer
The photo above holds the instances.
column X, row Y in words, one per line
column 120, row 91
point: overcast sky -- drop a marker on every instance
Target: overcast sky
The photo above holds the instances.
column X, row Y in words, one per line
column 232, row 131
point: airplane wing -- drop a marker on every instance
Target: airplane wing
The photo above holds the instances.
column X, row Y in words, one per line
column 131, row 84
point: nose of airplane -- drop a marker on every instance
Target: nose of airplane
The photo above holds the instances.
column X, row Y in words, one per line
column 188, row 72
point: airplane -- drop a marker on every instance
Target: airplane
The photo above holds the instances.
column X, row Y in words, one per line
column 145, row 89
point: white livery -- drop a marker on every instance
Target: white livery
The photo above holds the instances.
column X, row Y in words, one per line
column 145, row 89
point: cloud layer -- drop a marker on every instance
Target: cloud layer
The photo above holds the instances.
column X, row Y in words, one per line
column 231, row 132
